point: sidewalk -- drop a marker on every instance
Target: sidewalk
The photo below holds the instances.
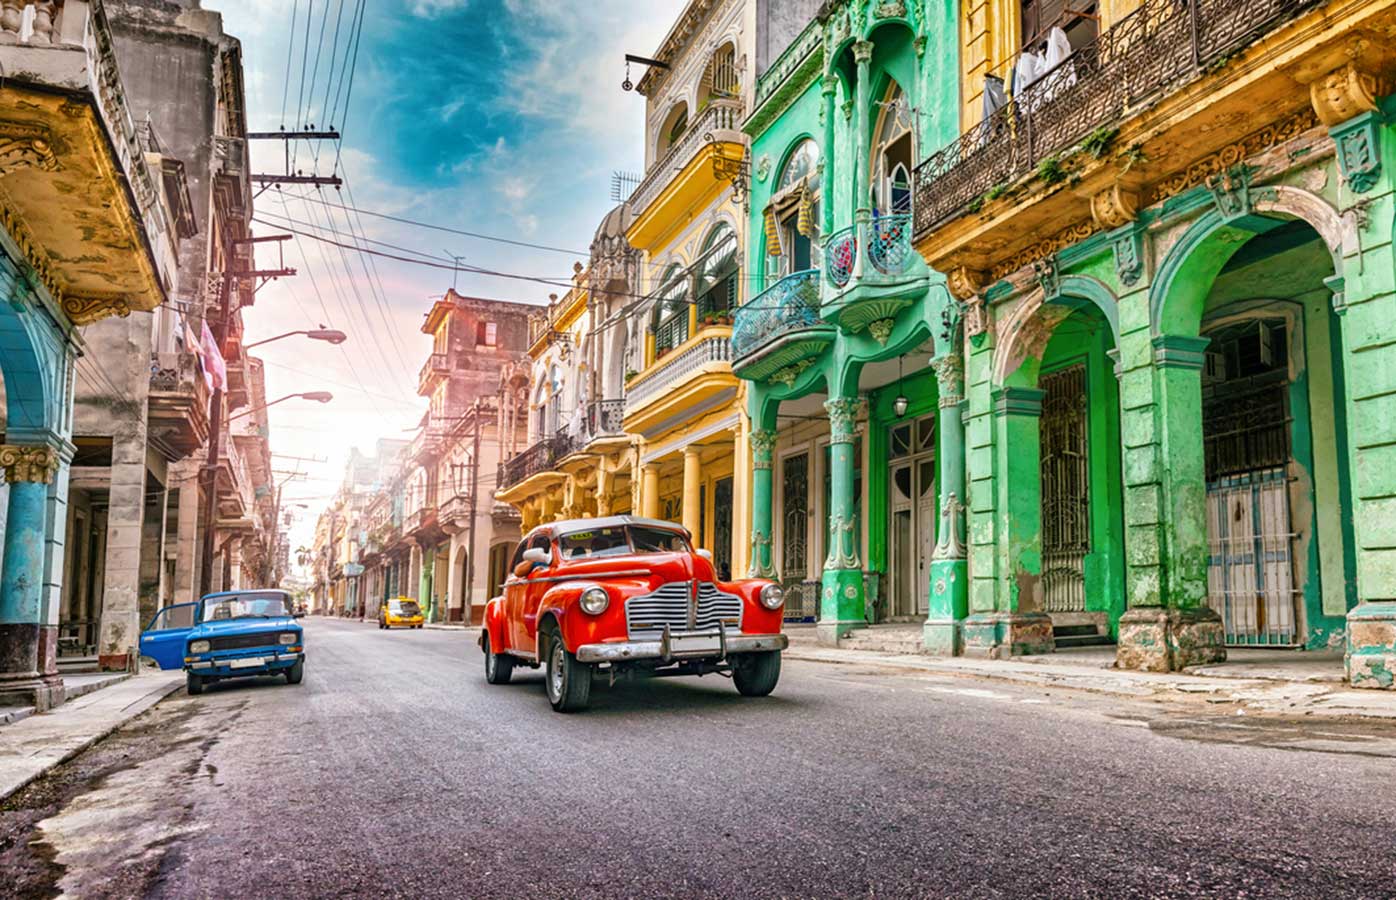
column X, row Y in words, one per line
column 31, row 747
column 1277, row 682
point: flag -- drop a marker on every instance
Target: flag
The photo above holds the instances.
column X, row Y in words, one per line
column 804, row 221
column 215, row 370
column 773, row 247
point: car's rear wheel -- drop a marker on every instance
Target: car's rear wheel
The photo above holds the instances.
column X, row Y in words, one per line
column 195, row 683
column 756, row 674
column 568, row 681
column 498, row 668
column 296, row 672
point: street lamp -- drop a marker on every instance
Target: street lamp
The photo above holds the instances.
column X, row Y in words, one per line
column 317, row 396
column 328, row 335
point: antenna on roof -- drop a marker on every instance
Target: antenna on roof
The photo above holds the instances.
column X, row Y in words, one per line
column 623, row 184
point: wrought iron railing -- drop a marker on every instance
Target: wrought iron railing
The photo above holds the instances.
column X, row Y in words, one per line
column 789, row 304
column 538, row 458
column 676, row 367
column 605, row 417
column 889, row 244
column 721, row 115
column 1157, row 47
column 840, row 254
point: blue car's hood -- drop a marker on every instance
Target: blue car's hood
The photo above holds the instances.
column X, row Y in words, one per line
column 244, row 626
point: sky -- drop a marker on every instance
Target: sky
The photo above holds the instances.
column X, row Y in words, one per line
column 500, row 117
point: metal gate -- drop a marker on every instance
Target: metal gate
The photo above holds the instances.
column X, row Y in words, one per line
column 800, row 602
column 722, row 528
column 1066, row 514
column 1246, row 428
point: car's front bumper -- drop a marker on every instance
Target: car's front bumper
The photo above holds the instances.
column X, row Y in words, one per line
column 264, row 661
column 677, row 646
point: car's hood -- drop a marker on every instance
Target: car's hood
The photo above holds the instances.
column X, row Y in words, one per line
column 245, row 626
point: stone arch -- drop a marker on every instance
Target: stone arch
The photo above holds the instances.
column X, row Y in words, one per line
column 1179, row 291
column 1032, row 322
column 459, row 577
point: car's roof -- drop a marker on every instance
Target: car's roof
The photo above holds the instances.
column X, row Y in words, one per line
column 567, row 526
column 239, row 593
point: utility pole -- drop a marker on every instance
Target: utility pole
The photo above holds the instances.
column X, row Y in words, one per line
column 474, row 494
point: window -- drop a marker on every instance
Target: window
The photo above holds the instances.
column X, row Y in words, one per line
column 486, row 334
column 721, row 78
column 675, row 124
column 597, row 542
column 794, row 210
column 670, row 322
column 657, row 540
column 717, row 275
column 893, row 158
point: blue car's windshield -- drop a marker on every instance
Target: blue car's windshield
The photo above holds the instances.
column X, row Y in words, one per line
column 252, row 605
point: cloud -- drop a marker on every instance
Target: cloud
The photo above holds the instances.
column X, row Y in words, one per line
column 448, row 111
column 428, row 9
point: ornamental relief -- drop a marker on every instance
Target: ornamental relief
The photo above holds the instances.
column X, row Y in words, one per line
column 32, row 465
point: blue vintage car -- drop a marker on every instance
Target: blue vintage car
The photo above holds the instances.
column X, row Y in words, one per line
column 234, row 634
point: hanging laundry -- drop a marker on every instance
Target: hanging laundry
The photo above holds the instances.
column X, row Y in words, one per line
column 1060, row 73
column 804, row 220
column 773, row 247
column 215, row 369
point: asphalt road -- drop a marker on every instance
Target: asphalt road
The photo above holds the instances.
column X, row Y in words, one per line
column 394, row 770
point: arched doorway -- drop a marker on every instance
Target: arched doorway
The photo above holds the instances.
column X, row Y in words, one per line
column 460, row 604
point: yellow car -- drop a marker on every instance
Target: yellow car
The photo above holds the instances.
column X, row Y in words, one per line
column 402, row 611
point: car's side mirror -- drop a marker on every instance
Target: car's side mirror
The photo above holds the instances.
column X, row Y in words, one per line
column 706, row 554
column 538, row 556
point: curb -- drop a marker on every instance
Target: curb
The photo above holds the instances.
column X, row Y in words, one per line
column 135, row 709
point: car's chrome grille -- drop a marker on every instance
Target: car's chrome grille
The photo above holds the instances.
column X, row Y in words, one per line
column 670, row 605
column 242, row 641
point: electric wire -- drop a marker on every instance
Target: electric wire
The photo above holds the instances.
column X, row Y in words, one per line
column 290, row 50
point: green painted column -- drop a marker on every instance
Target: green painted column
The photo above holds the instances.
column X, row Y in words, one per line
column 829, row 88
column 1172, row 628
column 862, row 55
column 949, row 588
column 841, row 603
column 1016, row 626
column 763, row 444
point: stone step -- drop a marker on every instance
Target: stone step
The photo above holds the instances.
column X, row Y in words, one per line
column 1066, row 641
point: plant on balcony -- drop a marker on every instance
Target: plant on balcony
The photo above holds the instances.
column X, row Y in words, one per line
column 1098, row 142
column 1050, row 170
column 630, row 374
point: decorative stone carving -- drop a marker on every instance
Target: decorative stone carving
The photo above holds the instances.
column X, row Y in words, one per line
column 951, row 542
column 1129, row 257
column 35, row 465
column 24, row 146
column 950, row 379
column 1234, row 153
column 1230, row 191
column 964, row 282
column 761, row 566
column 1358, row 144
column 843, row 413
column 843, row 543
column 976, row 319
column 1048, row 278
column 763, row 167
column 1114, row 206
column 1060, row 241
column 862, row 51
column 891, row 9
column 1346, row 92
column 881, row 330
column 787, row 375
column 86, row 310
column 763, row 445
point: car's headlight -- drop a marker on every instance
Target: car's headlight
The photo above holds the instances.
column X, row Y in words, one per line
column 772, row 596
column 595, row 600
column 199, row 647
column 288, row 638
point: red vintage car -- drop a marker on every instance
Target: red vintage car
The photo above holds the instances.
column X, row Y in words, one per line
column 622, row 596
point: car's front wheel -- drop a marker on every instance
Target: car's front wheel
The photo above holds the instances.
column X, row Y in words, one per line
column 756, row 674
column 195, row 683
column 296, row 672
column 497, row 668
column 568, row 681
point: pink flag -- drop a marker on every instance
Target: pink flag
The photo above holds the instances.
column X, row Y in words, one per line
column 215, row 370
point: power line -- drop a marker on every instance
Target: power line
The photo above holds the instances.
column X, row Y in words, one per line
column 290, row 49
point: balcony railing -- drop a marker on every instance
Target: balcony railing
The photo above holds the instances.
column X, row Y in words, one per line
column 886, row 241
column 789, row 304
column 436, row 364
column 419, row 518
column 676, row 367
column 604, row 417
column 539, row 458
column 840, row 253
column 721, row 115
column 454, row 512
column 1157, row 47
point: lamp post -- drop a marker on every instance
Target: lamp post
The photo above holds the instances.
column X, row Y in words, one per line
column 317, row 396
column 328, row 335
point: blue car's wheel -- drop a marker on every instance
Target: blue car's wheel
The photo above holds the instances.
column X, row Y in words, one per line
column 195, row 683
column 296, row 672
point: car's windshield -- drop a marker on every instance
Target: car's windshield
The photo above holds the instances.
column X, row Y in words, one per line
column 594, row 543
column 245, row 606
column 657, row 540
column 404, row 608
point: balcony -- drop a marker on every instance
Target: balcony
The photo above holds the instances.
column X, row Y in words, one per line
column 779, row 330
column 685, row 177
column 605, row 418
column 454, row 514
column 682, row 385
column 423, row 518
column 178, row 404
column 90, row 212
column 437, row 366
column 540, row 458
column 871, row 272
column 1162, row 88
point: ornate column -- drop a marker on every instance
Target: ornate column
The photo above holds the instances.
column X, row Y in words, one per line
column 649, row 491
column 841, row 591
column 829, row 88
column 604, row 481
column 763, row 445
column 949, row 588
column 692, row 494
column 862, row 55
column 28, row 643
